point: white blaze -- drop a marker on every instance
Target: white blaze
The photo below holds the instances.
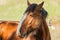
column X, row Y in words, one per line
column 21, row 21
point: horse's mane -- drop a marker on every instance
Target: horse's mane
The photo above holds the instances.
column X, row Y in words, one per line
column 32, row 8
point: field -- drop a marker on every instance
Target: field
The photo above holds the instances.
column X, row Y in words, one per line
column 14, row 9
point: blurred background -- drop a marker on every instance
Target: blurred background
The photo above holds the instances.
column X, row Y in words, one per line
column 13, row 10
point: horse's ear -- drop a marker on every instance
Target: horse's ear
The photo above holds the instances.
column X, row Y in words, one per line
column 38, row 7
column 28, row 3
column 41, row 4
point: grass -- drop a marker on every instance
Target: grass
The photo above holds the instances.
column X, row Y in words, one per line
column 14, row 9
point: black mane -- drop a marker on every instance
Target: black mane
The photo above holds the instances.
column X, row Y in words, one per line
column 32, row 8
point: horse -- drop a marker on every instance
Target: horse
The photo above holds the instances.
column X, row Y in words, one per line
column 7, row 29
column 33, row 24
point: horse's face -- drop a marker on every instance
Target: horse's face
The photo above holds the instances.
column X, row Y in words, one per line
column 32, row 21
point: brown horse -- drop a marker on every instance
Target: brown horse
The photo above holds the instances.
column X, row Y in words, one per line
column 33, row 24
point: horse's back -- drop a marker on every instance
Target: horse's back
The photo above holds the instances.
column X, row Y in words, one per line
column 7, row 28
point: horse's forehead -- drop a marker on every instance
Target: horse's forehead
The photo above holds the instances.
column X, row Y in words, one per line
column 23, row 18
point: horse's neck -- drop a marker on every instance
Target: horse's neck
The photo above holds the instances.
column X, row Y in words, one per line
column 36, row 35
column 46, row 30
column 39, row 34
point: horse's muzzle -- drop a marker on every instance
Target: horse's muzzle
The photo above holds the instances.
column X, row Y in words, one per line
column 22, row 34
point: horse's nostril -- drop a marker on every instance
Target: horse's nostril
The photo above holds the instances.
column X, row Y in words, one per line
column 22, row 33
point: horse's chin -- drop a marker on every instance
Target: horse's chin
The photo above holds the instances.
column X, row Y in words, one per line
column 21, row 36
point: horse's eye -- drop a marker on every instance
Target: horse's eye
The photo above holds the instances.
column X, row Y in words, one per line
column 31, row 15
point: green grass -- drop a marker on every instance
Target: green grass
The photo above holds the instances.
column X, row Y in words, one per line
column 14, row 9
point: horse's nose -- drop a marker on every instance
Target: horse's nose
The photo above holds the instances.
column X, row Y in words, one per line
column 22, row 33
